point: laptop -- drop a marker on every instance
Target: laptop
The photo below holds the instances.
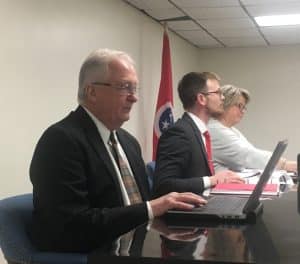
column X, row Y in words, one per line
column 231, row 208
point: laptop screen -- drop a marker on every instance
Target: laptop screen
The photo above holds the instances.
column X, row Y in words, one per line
column 253, row 200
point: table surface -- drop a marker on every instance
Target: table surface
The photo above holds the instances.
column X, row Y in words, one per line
column 274, row 238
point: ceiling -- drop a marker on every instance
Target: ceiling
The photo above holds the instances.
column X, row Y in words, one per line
column 223, row 23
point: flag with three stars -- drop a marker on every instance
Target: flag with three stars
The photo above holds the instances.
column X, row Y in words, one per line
column 164, row 107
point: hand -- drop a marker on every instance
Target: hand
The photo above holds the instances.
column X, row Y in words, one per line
column 174, row 200
column 226, row 176
column 290, row 166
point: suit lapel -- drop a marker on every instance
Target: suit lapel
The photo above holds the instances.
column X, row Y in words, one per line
column 197, row 134
column 97, row 143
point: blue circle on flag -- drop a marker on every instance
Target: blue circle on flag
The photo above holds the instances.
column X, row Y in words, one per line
column 163, row 119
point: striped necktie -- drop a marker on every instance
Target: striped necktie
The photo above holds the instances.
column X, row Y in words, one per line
column 127, row 177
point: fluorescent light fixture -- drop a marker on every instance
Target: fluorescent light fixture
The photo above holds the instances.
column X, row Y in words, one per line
column 279, row 20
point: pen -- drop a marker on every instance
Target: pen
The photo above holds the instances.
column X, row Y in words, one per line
column 252, row 175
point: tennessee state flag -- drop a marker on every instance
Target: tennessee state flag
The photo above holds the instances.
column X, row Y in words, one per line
column 164, row 107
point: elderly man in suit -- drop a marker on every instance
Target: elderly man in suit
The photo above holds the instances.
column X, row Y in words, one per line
column 88, row 175
column 184, row 157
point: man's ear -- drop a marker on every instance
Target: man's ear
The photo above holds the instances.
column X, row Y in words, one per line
column 201, row 99
column 90, row 92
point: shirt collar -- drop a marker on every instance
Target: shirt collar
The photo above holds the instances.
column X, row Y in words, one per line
column 102, row 129
column 199, row 123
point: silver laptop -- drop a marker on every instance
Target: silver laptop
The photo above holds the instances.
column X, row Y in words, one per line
column 232, row 208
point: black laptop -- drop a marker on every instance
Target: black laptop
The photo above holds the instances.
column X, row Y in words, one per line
column 231, row 208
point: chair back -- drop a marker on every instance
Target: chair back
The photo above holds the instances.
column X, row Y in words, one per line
column 15, row 220
column 150, row 168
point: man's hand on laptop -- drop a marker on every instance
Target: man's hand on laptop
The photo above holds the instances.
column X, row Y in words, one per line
column 226, row 176
column 174, row 200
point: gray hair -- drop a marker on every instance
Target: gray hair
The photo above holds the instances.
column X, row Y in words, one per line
column 96, row 66
column 232, row 93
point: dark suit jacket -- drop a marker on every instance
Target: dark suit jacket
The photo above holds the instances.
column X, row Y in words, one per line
column 77, row 199
column 181, row 159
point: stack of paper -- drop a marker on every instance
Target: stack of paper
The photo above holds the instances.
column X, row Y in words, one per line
column 244, row 189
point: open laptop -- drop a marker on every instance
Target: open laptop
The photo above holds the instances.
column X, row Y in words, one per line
column 231, row 208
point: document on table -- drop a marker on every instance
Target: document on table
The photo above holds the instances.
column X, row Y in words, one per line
column 251, row 177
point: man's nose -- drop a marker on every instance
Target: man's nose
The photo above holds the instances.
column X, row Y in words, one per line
column 133, row 97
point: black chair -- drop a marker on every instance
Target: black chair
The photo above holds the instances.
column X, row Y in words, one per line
column 15, row 218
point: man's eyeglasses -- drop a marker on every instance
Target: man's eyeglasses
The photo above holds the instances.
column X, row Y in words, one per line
column 242, row 107
column 123, row 88
column 219, row 92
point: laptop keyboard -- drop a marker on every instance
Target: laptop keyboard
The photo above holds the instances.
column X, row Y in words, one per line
column 223, row 204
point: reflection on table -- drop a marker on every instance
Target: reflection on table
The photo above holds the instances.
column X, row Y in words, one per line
column 275, row 238
column 218, row 244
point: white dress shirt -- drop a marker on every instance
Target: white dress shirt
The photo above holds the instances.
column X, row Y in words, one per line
column 104, row 133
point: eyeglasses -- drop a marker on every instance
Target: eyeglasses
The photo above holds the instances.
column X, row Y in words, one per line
column 123, row 88
column 241, row 106
column 219, row 92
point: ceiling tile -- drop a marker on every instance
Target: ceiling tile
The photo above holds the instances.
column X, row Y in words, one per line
column 150, row 4
column 244, row 42
column 259, row 2
column 282, row 35
column 224, row 19
column 283, row 30
column 198, row 37
column 274, row 9
column 183, row 25
column 193, row 33
column 211, row 24
column 282, row 40
column 164, row 13
column 235, row 32
column 158, row 4
column 206, row 13
column 208, row 45
column 205, row 3
column 137, row 3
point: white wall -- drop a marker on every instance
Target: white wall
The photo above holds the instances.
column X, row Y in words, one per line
column 42, row 45
column 272, row 77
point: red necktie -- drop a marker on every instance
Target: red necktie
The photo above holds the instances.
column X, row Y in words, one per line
column 208, row 151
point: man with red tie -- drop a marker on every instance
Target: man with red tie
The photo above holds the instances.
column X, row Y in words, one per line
column 184, row 157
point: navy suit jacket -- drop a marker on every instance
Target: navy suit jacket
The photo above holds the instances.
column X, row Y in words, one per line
column 77, row 199
column 181, row 159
